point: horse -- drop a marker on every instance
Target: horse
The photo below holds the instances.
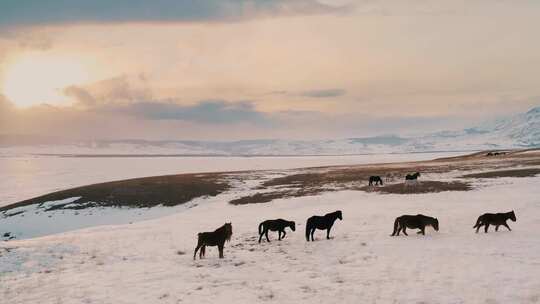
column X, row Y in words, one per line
column 413, row 176
column 418, row 221
column 278, row 225
column 214, row 238
column 496, row 219
column 496, row 153
column 322, row 222
column 375, row 179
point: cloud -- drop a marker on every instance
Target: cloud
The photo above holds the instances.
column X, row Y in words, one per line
column 125, row 96
column 207, row 111
column 6, row 113
column 113, row 90
column 323, row 93
column 315, row 93
column 82, row 95
column 15, row 13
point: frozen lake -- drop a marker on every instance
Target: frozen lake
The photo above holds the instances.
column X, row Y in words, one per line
column 24, row 177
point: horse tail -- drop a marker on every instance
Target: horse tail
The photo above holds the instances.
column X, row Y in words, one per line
column 307, row 230
column 198, row 245
column 396, row 225
column 261, row 228
column 478, row 222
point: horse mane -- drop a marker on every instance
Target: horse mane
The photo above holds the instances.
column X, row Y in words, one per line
column 228, row 231
column 334, row 214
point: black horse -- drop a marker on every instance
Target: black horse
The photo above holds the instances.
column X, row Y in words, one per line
column 413, row 176
column 321, row 222
column 495, row 153
column 214, row 238
column 495, row 219
column 375, row 179
column 418, row 221
column 278, row 225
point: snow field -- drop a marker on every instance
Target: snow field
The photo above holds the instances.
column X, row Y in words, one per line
column 140, row 262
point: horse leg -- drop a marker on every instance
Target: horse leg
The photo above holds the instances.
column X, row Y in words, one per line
column 486, row 227
column 328, row 233
column 260, row 237
column 196, row 249
column 284, row 233
column 496, row 228
column 506, row 225
column 312, row 232
column 202, row 253
column 404, row 230
column 266, row 234
column 220, row 248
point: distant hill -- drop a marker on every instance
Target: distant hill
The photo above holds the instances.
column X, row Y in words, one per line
column 519, row 131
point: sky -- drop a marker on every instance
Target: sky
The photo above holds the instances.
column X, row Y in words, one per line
column 247, row 69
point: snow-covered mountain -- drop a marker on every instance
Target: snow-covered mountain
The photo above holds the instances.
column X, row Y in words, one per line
column 519, row 131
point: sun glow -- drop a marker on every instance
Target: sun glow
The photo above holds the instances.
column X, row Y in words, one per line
column 35, row 78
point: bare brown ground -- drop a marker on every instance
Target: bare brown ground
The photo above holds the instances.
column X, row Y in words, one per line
column 313, row 181
column 420, row 187
column 167, row 190
column 505, row 173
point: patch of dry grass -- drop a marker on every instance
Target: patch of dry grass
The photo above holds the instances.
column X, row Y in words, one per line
column 169, row 190
column 419, row 187
column 505, row 173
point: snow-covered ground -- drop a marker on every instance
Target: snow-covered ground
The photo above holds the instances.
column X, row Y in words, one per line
column 151, row 261
column 24, row 177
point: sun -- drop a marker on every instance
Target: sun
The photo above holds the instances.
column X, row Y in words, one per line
column 36, row 78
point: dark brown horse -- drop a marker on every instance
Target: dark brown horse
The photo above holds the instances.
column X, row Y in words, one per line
column 278, row 225
column 413, row 176
column 495, row 219
column 374, row 179
column 418, row 221
column 214, row 238
column 322, row 223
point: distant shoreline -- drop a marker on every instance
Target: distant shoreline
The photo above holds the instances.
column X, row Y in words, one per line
column 112, row 155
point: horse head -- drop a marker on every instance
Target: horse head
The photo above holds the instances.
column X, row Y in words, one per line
column 436, row 224
column 293, row 226
column 339, row 215
column 512, row 216
column 228, row 231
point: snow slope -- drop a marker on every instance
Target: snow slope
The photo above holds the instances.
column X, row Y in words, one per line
column 519, row 131
column 151, row 262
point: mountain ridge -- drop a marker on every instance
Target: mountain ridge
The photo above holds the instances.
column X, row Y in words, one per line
column 517, row 131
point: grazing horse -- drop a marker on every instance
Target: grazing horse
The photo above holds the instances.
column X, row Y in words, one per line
column 495, row 219
column 278, row 225
column 496, row 153
column 375, row 179
column 321, row 222
column 418, row 221
column 214, row 238
column 413, row 176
